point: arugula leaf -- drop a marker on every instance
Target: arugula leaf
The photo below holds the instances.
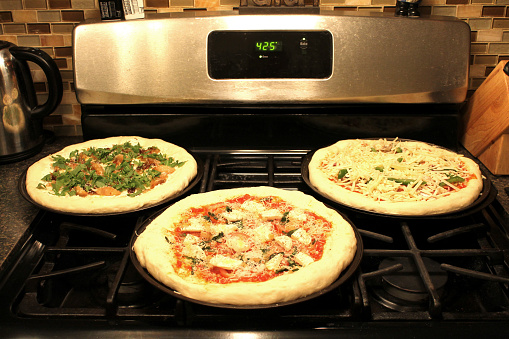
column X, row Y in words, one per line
column 123, row 177
column 60, row 162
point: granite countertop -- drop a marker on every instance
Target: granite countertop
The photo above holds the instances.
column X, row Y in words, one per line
column 17, row 214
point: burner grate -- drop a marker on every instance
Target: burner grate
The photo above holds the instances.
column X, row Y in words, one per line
column 78, row 267
column 244, row 170
column 432, row 269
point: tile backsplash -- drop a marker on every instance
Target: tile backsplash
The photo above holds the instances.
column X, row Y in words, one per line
column 48, row 25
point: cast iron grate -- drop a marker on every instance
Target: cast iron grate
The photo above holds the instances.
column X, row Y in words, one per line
column 79, row 267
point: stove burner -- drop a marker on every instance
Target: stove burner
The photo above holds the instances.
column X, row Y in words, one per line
column 132, row 292
column 405, row 290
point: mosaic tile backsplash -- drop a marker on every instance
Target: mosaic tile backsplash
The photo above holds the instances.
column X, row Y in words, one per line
column 48, row 25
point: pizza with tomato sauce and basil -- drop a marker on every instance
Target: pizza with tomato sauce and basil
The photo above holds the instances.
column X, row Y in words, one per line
column 247, row 246
column 395, row 177
column 112, row 175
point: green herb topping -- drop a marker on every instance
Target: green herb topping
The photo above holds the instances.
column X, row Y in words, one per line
column 109, row 171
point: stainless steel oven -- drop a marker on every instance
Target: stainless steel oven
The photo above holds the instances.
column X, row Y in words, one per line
column 250, row 96
column 216, row 77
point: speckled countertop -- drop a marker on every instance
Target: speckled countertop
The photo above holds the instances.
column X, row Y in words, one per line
column 17, row 214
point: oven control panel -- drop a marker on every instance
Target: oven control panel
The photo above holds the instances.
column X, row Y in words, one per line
column 269, row 54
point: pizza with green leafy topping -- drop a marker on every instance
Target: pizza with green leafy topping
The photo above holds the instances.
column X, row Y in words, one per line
column 395, row 177
column 111, row 175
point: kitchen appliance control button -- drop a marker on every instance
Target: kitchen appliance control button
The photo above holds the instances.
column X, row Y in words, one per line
column 303, row 43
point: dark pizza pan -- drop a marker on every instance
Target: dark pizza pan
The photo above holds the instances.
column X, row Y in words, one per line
column 486, row 197
column 200, row 170
column 344, row 276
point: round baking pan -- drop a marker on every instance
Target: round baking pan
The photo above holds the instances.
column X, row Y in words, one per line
column 344, row 276
column 24, row 193
column 487, row 195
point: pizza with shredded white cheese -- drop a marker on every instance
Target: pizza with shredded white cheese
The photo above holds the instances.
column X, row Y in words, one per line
column 247, row 246
column 395, row 177
column 112, row 175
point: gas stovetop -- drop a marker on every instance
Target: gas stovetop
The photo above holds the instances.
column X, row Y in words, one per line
column 418, row 276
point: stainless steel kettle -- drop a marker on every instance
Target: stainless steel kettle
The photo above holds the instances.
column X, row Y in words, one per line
column 21, row 132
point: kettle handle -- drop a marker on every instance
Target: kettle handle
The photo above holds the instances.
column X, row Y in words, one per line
column 53, row 77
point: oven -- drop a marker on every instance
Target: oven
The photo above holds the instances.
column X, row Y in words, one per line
column 251, row 117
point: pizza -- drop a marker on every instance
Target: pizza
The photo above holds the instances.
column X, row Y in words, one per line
column 247, row 246
column 395, row 177
column 112, row 175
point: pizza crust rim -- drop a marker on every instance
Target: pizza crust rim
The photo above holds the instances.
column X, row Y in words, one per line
column 95, row 204
column 449, row 204
column 339, row 252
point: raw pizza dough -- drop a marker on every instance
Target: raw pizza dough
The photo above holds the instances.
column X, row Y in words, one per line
column 192, row 255
column 394, row 177
column 101, row 204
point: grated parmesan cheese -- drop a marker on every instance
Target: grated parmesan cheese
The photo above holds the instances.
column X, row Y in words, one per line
column 247, row 239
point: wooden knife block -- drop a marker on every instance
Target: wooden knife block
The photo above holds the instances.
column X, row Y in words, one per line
column 486, row 122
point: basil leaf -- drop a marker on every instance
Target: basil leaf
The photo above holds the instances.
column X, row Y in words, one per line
column 284, row 218
column 291, row 232
column 218, row 236
column 238, row 223
column 274, row 254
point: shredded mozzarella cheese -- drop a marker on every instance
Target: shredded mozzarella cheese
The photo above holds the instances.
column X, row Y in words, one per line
column 395, row 170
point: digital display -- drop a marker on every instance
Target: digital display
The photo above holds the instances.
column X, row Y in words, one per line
column 269, row 54
column 268, row 46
